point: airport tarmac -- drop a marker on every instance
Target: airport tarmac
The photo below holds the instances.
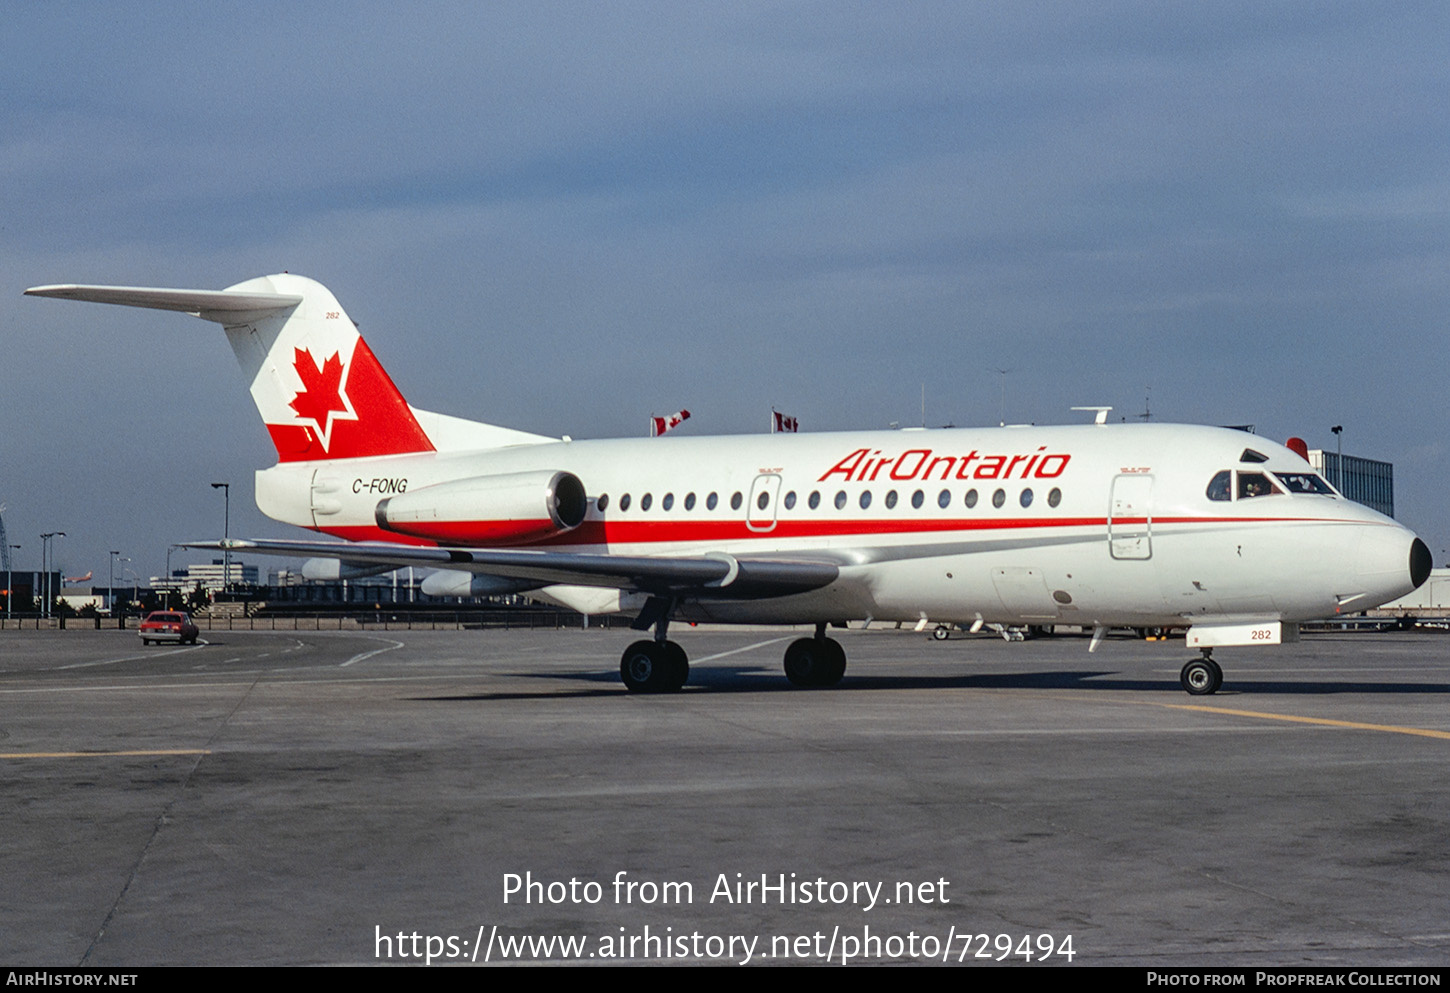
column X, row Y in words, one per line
column 325, row 797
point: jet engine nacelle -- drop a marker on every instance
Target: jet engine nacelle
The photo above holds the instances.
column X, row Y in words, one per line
column 506, row 509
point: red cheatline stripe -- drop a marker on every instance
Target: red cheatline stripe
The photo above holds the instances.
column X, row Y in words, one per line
column 647, row 531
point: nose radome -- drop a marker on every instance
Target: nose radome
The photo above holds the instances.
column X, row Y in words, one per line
column 1420, row 563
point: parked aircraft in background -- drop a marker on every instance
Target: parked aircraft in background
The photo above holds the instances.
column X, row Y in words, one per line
column 1141, row 525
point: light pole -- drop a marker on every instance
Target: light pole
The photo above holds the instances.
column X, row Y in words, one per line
column 125, row 558
column 45, row 568
column 226, row 489
column 1338, row 432
column 10, row 583
column 170, row 582
column 111, row 589
column 53, row 569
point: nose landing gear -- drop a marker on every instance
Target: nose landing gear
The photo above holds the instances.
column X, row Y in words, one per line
column 1201, row 677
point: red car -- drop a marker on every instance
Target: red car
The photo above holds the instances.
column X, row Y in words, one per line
column 168, row 625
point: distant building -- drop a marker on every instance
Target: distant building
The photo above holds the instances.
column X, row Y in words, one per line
column 290, row 586
column 1364, row 481
column 81, row 597
column 28, row 586
column 209, row 576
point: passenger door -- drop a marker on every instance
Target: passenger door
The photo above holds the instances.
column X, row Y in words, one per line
column 1130, row 517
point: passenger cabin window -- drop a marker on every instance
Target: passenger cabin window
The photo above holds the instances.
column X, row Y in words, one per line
column 711, row 501
column 735, row 500
column 603, row 502
column 1220, row 487
column 689, row 501
column 1255, row 484
column 815, row 500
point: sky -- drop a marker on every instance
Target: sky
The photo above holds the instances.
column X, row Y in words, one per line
column 563, row 217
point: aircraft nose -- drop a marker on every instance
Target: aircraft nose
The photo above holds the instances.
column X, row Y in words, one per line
column 1420, row 563
column 1391, row 561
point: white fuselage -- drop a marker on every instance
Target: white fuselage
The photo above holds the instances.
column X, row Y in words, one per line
column 1090, row 524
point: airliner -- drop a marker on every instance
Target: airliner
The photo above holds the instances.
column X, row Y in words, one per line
column 1221, row 532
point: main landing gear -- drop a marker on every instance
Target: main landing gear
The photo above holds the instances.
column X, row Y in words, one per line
column 658, row 666
column 661, row 666
column 1200, row 677
column 654, row 667
column 818, row 661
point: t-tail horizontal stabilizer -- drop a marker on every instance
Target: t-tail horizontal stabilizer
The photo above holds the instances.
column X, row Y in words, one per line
column 222, row 306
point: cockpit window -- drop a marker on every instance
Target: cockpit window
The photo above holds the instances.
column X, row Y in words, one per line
column 1219, row 487
column 1255, row 484
column 1303, row 482
column 1252, row 456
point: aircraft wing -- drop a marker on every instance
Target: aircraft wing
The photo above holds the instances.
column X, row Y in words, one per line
column 713, row 575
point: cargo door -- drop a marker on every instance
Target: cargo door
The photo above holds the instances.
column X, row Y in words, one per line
column 1024, row 594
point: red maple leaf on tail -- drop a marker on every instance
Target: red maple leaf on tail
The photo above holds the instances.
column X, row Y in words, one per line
column 321, row 397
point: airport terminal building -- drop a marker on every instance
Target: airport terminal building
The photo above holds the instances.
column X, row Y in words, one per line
column 1365, row 481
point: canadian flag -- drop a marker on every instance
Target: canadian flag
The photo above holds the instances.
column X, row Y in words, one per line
column 659, row 425
column 782, row 422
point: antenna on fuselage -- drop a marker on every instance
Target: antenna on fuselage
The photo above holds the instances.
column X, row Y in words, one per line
column 1147, row 414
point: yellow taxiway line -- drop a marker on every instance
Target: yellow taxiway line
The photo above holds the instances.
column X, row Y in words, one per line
column 92, row 755
column 1324, row 721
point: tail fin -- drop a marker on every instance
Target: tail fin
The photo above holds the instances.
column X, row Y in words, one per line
column 315, row 381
